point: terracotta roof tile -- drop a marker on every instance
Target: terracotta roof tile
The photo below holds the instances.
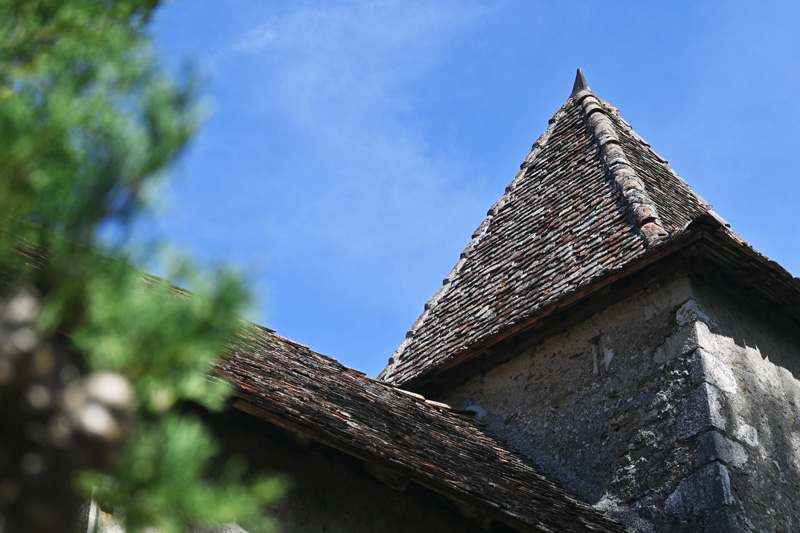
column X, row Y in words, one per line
column 590, row 198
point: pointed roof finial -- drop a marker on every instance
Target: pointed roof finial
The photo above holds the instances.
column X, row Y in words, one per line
column 580, row 83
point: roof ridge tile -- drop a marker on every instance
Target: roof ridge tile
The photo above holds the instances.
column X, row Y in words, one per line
column 641, row 207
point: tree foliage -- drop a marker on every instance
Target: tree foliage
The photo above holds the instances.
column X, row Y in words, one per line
column 96, row 359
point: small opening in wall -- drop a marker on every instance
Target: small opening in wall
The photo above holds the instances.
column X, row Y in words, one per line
column 596, row 356
column 602, row 354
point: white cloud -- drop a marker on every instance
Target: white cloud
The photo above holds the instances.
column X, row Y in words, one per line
column 368, row 185
column 318, row 159
column 254, row 40
column 361, row 56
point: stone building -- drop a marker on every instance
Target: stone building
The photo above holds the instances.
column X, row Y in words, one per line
column 606, row 355
column 615, row 330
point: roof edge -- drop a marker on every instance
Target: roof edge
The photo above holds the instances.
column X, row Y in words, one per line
column 707, row 230
column 671, row 245
column 477, row 236
column 510, row 517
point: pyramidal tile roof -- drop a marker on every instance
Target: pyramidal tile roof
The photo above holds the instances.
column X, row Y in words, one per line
column 590, row 198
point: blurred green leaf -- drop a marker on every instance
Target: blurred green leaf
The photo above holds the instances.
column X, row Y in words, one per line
column 88, row 123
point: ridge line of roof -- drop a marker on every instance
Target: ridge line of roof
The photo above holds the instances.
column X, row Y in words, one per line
column 477, row 236
column 641, row 208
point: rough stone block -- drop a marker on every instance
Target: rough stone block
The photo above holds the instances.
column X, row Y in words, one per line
column 684, row 341
column 707, row 488
column 689, row 312
column 747, row 434
column 707, row 368
column 713, row 446
column 700, row 412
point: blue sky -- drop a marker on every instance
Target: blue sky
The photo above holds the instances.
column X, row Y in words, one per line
column 351, row 148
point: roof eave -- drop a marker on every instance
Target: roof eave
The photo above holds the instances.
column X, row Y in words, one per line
column 488, row 509
column 708, row 232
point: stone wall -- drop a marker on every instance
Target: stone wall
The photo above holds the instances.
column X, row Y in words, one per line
column 671, row 420
column 748, row 365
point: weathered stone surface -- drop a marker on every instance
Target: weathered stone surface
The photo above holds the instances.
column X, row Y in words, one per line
column 689, row 312
column 713, row 446
column 708, row 488
column 700, row 412
column 605, row 431
column 747, row 434
column 684, row 341
column 707, row 368
column 752, row 358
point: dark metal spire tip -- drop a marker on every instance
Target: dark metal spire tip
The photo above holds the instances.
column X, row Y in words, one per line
column 580, row 83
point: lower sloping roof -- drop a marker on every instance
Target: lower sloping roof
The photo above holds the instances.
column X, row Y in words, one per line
column 289, row 385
